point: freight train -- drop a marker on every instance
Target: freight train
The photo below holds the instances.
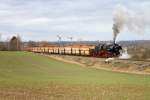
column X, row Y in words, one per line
column 100, row 50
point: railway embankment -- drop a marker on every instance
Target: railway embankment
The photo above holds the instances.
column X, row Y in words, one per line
column 117, row 65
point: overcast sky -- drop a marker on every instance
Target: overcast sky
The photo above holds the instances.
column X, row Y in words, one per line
column 80, row 19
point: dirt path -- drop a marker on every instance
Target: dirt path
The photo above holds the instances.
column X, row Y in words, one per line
column 133, row 67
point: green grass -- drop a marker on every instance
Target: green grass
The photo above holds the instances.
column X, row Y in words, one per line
column 23, row 70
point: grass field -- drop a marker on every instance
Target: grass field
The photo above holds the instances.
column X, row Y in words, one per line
column 28, row 76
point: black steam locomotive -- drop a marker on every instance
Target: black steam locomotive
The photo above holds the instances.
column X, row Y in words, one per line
column 105, row 51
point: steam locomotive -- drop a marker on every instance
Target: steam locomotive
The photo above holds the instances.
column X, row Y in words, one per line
column 106, row 51
column 100, row 50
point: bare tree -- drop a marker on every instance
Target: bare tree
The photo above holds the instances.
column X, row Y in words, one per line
column 15, row 43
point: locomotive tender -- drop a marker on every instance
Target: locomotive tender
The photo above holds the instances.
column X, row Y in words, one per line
column 100, row 50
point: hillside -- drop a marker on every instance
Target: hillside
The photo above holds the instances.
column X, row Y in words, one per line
column 28, row 76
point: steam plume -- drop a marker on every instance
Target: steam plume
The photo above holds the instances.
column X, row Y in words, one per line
column 134, row 22
column 120, row 18
column 124, row 54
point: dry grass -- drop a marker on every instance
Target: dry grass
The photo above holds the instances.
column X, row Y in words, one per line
column 126, row 66
column 139, row 52
column 76, row 92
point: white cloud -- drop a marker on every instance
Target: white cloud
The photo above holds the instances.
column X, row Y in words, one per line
column 44, row 19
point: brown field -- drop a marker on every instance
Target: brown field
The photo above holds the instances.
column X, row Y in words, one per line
column 76, row 92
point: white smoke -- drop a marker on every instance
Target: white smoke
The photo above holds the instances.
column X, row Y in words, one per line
column 138, row 23
column 124, row 54
column 120, row 18
column 133, row 21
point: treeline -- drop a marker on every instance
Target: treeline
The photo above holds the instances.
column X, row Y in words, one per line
column 14, row 44
column 140, row 52
column 139, row 49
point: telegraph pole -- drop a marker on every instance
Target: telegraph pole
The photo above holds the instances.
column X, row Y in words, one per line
column 70, row 38
column 59, row 39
